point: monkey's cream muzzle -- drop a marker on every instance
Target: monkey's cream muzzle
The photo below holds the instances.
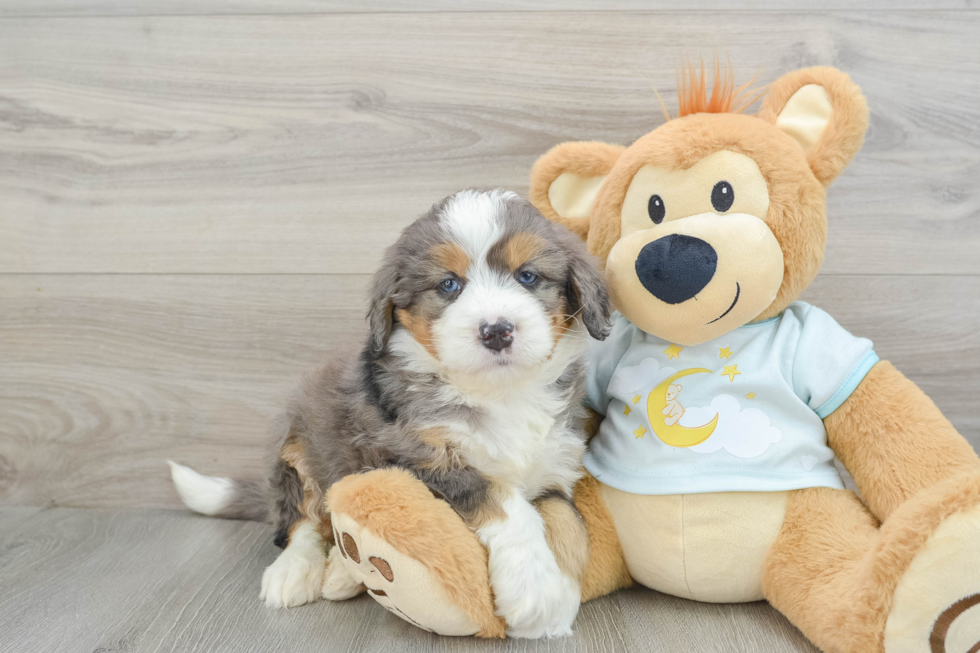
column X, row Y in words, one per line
column 693, row 279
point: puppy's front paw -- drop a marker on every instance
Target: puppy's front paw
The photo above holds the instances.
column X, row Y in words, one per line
column 296, row 577
column 293, row 579
column 543, row 604
column 530, row 591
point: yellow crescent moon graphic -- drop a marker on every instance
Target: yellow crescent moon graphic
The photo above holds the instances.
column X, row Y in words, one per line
column 676, row 435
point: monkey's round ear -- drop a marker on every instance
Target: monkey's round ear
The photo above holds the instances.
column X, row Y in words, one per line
column 824, row 112
column 566, row 180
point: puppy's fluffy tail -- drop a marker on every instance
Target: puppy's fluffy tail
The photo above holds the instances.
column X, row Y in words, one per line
column 220, row 497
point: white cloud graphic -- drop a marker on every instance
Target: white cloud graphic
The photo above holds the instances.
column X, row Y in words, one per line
column 742, row 433
column 639, row 378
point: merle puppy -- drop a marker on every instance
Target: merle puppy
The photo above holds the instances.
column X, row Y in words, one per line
column 471, row 379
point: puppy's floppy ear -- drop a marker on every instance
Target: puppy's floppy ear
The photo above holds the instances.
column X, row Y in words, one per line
column 824, row 112
column 381, row 310
column 587, row 293
column 566, row 181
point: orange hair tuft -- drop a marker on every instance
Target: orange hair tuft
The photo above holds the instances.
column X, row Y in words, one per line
column 692, row 91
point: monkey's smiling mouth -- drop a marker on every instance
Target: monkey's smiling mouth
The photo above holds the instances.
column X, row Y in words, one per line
column 738, row 291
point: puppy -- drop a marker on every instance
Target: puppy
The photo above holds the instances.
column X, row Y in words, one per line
column 472, row 379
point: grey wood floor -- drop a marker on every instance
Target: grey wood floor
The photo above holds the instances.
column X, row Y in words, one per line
column 193, row 194
column 106, row 580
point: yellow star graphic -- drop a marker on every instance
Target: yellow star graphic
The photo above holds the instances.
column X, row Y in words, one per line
column 731, row 371
column 636, row 400
column 751, row 395
column 639, row 432
column 724, row 352
column 673, row 351
column 626, row 410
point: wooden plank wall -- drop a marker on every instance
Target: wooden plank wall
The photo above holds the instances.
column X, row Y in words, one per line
column 194, row 194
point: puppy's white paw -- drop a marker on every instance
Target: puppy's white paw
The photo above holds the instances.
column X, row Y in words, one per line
column 296, row 577
column 543, row 604
column 292, row 580
column 531, row 593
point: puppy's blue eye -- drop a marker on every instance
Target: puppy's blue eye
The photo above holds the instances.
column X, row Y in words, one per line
column 449, row 285
column 527, row 277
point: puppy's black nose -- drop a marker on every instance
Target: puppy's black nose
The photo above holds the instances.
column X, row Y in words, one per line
column 497, row 336
column 675, row 268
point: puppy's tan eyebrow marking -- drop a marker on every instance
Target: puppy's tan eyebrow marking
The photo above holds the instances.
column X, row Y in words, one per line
column 452, row 257
column 521, row 248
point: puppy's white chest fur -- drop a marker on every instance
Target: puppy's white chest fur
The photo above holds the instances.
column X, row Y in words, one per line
column 516, row 440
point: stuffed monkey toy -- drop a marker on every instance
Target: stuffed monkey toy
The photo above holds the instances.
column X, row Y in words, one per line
column 725, row 401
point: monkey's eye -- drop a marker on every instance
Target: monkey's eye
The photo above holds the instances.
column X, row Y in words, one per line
column 656, row 209
column 449, row 286
column 722, row 196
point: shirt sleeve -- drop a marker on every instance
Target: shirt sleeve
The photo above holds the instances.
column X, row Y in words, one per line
column 830, row 363
column 602, row 359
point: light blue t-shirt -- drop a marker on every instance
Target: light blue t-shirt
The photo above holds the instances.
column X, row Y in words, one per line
column 743, row 412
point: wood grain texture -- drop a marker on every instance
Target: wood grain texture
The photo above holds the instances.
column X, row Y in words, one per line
column 76, row 8
column 100, row 580
column 107, row 376
column 302, row 144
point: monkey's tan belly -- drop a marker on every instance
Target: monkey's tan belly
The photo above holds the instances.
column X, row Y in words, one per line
column 707, row 547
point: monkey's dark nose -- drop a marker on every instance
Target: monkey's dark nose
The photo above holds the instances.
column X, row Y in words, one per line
column 497, row 336
column 676, row 267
